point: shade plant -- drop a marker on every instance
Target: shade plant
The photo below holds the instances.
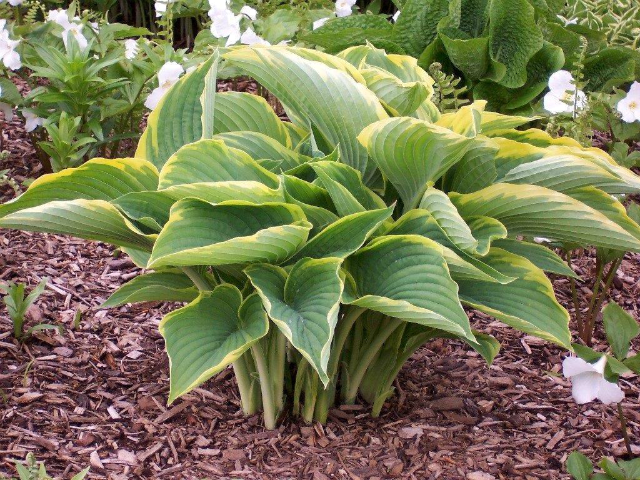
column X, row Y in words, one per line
column 317, row 253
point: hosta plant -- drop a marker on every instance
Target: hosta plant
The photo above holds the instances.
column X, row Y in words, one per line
column 318, row 253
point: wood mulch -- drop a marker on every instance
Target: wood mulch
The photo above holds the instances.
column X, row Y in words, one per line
column 96, row 395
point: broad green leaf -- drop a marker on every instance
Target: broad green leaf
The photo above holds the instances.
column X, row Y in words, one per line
column 209, row 334
column 344, row 236
column 9, row 93
column 609, row 68
column 340, row 33
column 476, row 170
column 259, row 147
column 527, row 303
column 150, row 208
column 514, row 37
column 212, row 161
column 280, row 25
column 579, row 466
column 406, row 277
column 485, row 230
column 199, row 233
column 474, row 15
column 486, row 345
column 217, row 192
column 445, row 214
column 492, row 121
column 307, row 88
column 98, row 179
column 620, row 328
column 467, row 54
column 539, row 255
column 400, row 98
column 417, row 24
column 412, row 154
column 89, row 219
column 244, row 112
column 154, row 287
column 304, row 305
column 176, row 121
column 538, row 211
column 465, row 121
column 633, row 363
column 314, row 201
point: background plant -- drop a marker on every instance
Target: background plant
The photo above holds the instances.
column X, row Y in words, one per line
column 581, row 468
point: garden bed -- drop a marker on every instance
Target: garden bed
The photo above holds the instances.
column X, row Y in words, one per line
column 96, row 395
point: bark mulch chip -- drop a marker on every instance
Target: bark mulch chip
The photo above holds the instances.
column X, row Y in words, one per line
column 96, row 395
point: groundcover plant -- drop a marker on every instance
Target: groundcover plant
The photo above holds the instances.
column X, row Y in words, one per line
column 318, row 254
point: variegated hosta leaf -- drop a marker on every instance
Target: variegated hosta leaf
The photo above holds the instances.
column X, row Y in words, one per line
column 314, row 201
column 209, row 334
column 337, row 105
column 465, row 121
column 400, row 98
column 150, row 208
column 538, row 211
column 448, row 219
column 485, row 230
column 176, row 121
column 345, row 187
column 406, row 277
column 528, row 303
column 98, row 179
column 89, row 219
column 412, row 154
column 170, row 286
column 212, row 161
column 493, row 121
column 259, row 147
column 539, row 255
column 199, row 233
column 304, row 305
column 217, row 192
column 476, row 169
column 344, row 236
column 239, row 111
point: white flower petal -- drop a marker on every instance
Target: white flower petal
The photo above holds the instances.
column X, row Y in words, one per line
column 609, row 392
column 318, row 23
column 395, row 16
column 249, row 37
column 572, row 366
column 154, row 97
column 7, row 110
column 131, row 49
column 634, row 91
column 251, row 13
column 15, row 3
column 31, row 120
column 585, row 387
column 12, row 60
column 561, row 81
column 61, row 17
column 554, row 104
column 169, row 73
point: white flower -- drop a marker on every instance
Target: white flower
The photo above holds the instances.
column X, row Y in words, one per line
column 588, row 382
column 318, row 23
column 6, row 109
column 629, row 106
column 572, row 21
column 249, row 37
column 31, row 120
column 74, row 30
column 8, row 54
column 61, row 17
column 563, row 94
column 218, row 6
column 131, row 49
column 94, row 26
column 344, row 7
column 395, row 16
column 191, row 68
column 167, row 77
column 161, row 7
column 542, row 240
column 14, row 3
column 249, row 12
column 226, row 24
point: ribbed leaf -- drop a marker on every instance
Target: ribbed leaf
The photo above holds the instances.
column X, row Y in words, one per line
column 539, row 255
column 239, row 111
column 448, row 219
column 528, row 303
column 217, row 192
column 345, row 236
column 259, row 147
column 177, row 120
column 538, row 211
column 150, row 208
column 209, row 334
column 412, row 154
column 199, row 233
column 476, row 170
column 417, row 24
column 398, row 97
column 314, row 201
column 485, row 230
column 304, row 305
column 98, row 179
column 212, row 161
column 154, row 287
column 308, row 89
column 465, row 121
column 406, row 277
column 89, row 219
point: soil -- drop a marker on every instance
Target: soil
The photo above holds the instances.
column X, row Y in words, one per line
column 96, row 394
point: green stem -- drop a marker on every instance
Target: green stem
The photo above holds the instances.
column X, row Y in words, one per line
column 243, row 377
column 586, row 333
column 355, row 376
column 198, row 280
column 277, row 353
column 310, row 395
column 342, row 332
column 268, row 404
column 625, row 433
